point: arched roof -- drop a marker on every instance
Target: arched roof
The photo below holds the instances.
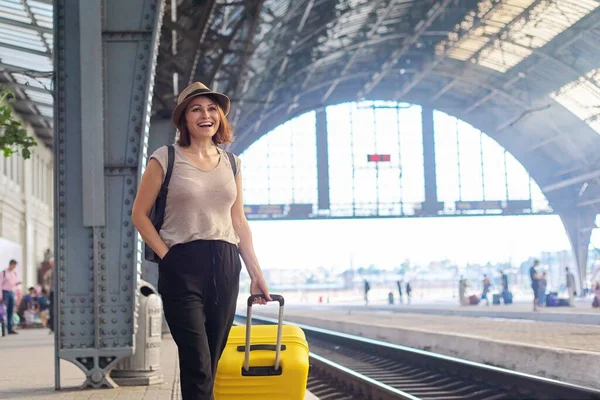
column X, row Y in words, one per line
column 26, row 67
column 500, row 65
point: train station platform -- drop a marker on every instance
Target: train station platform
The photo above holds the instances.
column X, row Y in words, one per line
column 27, row 372
column 581, row 313
column 568, row 352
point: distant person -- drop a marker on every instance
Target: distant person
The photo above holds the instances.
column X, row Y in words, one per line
column 596, row 301
column 533, row 274
column 399, row 285
column 486, row 289
column 408, row 292
column 27, row 304
column 9, row 281
column 570, row 286
column 391, row 298
column 462, row 288
column 542, row 285
column 506, row 297
column 367, row 289
column 44, row 307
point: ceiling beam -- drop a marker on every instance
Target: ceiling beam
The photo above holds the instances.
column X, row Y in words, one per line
column 287, row 56
column 26, row 102
column 216, row 67
column 493, row 93
column 26, row 50
column 543, row 143
column 174, row 26
column 25, row 25
column 361, row 75
column 588, row 202
column 438, row 58
column 24, row 71
column 571, row 181
column 434, row 12
column 339, row 52
column 35, row 25
column 203, row 22
column 274, row 35
column 254, row 9
column 382, row 15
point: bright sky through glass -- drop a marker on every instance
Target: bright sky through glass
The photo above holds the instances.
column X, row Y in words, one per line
column 280, row 168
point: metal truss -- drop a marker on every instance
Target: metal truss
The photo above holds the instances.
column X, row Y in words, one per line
column 254, row 10
column 392, row 60
column 426, row 69
column 372, row 30
column 211, row 32
column 288, row 53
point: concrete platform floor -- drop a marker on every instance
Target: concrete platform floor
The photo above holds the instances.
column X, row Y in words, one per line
column 27, row 372
column 579, row 314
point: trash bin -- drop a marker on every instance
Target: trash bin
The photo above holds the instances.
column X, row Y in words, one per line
column 143, row 367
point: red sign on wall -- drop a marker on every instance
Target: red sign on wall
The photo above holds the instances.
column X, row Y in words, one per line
column 378, row 157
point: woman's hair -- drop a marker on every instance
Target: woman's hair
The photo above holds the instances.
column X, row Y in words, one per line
column 224, row 134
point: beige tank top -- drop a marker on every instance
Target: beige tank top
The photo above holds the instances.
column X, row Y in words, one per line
column 198, row 202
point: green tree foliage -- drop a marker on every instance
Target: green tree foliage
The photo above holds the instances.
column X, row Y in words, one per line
column 13, row 137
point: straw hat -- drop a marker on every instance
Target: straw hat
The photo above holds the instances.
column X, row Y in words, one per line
column 194, row 90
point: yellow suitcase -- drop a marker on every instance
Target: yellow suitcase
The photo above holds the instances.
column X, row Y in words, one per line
column 274, row 366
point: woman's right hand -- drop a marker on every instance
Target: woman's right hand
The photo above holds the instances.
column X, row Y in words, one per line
column 164, row 253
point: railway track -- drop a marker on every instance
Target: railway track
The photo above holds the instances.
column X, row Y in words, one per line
column 345, row 367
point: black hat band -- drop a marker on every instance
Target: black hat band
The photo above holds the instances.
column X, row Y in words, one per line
column 198, row 91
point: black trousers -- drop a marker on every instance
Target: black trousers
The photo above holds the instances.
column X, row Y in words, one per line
column 199, row 284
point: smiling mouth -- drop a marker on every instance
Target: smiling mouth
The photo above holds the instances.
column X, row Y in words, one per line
column 205, row 124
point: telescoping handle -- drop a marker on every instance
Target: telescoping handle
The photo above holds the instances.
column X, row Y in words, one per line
column 275, row 297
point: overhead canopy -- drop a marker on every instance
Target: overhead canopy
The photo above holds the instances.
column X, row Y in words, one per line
column 26, row 45
column 523, row 71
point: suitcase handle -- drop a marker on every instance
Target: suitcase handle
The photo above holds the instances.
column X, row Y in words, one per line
column 275, row 297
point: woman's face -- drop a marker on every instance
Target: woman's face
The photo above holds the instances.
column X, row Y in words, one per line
column 202, row 117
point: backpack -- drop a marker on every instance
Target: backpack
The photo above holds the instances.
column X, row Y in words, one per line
column 157, row 214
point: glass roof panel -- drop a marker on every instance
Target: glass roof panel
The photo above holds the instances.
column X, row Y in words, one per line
column 40, row 97
column 42, row 13
column 582, row 98
column 24, row 59
column 46, row 111
column 13, row 9
column 507, row 28
column 43, row 83
column 26, row 43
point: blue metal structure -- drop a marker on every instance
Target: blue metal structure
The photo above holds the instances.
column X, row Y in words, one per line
column 105, row 64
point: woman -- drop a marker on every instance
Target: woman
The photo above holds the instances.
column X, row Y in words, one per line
column 203, row 229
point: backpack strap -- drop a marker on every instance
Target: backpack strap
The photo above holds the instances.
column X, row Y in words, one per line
column 170, row 162
column 232, row 162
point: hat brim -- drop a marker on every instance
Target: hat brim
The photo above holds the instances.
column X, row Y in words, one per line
column 223, row 101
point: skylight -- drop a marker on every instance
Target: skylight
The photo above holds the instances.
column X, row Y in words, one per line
column 26, row 44
column 503, row 33
column 582, row 98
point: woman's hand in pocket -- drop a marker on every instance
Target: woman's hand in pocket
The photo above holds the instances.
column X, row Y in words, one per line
column 164, row 253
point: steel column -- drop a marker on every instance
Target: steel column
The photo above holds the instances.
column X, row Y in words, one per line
column 105, row 61
column 429, row 161
column 322, row 159
column 578, row 225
